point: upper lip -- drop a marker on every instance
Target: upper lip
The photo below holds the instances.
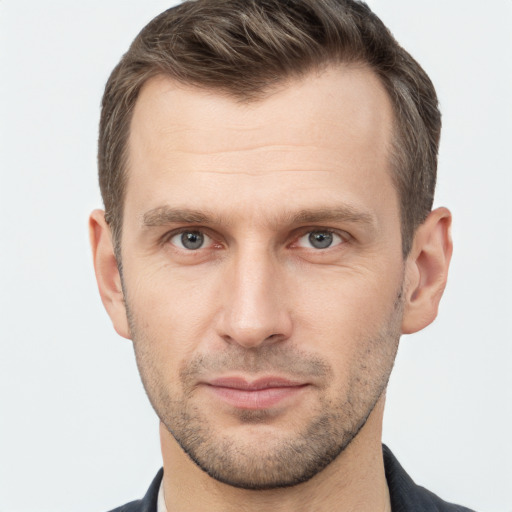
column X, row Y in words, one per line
column 254, row 385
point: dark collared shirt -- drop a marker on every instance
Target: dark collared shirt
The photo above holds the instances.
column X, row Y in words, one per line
column 405, row 495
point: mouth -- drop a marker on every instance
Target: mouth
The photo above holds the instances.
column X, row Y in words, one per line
column 262, row 393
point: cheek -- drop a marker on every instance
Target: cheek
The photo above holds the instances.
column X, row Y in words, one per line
column 347, row 304
column 172, row 307
column 355, row 327
column 352, row 323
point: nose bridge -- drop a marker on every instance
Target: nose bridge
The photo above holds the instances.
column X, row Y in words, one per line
column 255, row 311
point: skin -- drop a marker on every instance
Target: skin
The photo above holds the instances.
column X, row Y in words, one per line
column 258, row 300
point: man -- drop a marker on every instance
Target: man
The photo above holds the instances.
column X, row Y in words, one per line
column 268, row 170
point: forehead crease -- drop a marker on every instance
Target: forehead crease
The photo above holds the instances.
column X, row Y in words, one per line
column 190, row 113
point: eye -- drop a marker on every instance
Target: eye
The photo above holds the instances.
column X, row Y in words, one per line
column 320, row 239
column 191, row 240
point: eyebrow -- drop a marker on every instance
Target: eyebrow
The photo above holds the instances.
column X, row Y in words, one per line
column 344, row 213
column 164, row 215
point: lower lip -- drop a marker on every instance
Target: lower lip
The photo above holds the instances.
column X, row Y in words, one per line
column 256, row 398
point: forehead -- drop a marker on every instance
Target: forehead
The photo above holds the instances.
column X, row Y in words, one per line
column 328, row 133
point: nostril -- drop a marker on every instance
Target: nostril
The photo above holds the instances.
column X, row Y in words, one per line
column 275, row 338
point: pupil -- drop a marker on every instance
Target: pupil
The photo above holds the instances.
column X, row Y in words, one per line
column 192, row 240
column 320, row 239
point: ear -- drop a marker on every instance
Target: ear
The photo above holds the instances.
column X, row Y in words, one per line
column 107, row 272
column 427, row 270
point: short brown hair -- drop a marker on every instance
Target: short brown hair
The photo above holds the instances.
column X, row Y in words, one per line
column 243, row 48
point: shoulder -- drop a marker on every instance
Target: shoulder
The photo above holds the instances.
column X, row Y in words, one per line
column 133, row 506
column 150, row 500
column 406, row 496
column 440, row 505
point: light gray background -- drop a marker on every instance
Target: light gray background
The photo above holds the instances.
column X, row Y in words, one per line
column 76, row 430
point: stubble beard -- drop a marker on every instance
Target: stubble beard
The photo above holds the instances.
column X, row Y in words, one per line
column 277, row 462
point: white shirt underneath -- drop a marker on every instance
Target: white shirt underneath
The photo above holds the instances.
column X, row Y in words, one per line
column 160, row 506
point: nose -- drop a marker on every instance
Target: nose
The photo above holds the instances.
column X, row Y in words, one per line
column 255, row 309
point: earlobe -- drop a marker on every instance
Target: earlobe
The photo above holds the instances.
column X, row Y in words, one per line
column 427, row 271
column 107, row 272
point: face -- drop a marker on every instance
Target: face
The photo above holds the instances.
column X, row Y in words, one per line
column 262, row 270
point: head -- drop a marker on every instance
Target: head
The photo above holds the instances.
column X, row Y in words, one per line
column 268, row 169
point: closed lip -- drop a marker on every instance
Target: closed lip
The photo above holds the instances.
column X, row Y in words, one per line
column 256, row 394
column 243, row 384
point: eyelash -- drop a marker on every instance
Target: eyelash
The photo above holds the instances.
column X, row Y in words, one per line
column 343, row 237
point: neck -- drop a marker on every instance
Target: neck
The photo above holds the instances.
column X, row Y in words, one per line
column 355, row 480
